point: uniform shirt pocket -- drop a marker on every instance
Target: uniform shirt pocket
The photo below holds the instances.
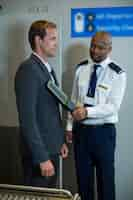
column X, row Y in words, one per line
column 103, row 91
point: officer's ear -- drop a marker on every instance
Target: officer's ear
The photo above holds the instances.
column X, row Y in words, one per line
column 110, row 49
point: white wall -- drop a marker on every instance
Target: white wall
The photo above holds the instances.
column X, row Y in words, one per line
column 15, row 48
column 74, row 50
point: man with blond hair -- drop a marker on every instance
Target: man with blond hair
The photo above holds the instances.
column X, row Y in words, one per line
column 41, row 132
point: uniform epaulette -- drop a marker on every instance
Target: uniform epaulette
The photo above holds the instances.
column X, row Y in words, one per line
column 85, row 62
column 116, row 68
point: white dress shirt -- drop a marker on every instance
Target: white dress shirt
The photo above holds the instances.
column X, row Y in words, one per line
column 44, row 62
column 108, row 94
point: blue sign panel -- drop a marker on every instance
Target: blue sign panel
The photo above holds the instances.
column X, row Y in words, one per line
column 116, row 20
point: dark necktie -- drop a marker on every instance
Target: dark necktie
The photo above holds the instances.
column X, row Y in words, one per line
column 93, row 81
column 54, row 76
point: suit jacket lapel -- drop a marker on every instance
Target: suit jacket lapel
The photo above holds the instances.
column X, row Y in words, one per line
column 43, row 68
column 40, row 64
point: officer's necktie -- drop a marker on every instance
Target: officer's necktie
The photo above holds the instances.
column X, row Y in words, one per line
column 93, row 81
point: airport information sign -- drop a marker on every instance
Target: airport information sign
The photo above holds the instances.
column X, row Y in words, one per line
column 116, row 20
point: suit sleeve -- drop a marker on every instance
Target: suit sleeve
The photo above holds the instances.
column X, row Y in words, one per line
column 27, row 89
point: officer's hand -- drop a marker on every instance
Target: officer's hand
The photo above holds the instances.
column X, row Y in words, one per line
column 64, row 151
column 47, row 168
column 79, row 113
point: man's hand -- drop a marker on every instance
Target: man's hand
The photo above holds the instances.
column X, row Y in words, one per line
column 47, row 168
column 69, row 137
column 79, row 113
column 64, row 151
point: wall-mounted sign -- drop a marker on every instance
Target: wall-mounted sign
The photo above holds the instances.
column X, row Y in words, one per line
column 116, row 20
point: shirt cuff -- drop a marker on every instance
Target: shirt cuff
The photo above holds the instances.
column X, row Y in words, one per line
column 91, row 112
column 69, row 126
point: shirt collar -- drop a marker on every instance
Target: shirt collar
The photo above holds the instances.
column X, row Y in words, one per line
column 104, row 63
column 46, row 64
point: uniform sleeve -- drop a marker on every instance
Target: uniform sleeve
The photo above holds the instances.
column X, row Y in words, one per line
column 74, row 97
column 113, row 102
column 27, row 90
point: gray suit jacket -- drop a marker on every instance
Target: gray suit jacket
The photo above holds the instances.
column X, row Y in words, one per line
column 38, row 110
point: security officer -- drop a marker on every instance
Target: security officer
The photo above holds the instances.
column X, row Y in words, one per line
column 98, row 91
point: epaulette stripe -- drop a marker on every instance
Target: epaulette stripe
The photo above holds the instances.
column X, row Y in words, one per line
column 82, row 63
column 116, row 68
